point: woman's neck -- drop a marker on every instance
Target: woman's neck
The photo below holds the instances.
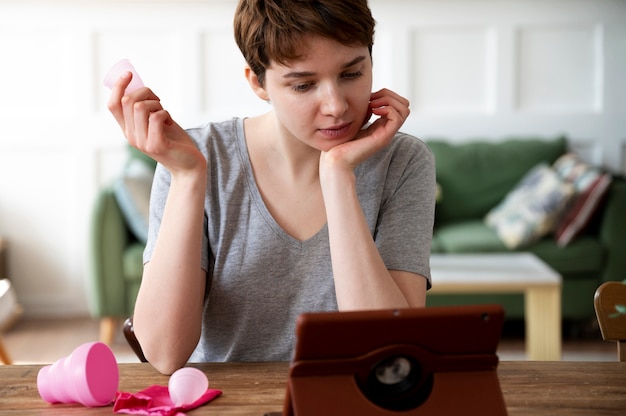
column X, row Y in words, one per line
column 272, row 147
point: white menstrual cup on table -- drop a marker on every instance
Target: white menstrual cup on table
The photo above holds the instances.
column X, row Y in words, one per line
column 187, row 385
column 89, row 376
column 120, row 69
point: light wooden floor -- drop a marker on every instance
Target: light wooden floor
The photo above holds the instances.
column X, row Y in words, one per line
column 45, row 341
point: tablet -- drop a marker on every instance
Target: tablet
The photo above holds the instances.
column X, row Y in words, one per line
column 414, row 361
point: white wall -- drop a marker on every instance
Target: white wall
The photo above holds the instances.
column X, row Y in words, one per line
column 472, row 68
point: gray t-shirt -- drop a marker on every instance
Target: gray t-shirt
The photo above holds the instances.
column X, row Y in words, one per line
column 259, row 277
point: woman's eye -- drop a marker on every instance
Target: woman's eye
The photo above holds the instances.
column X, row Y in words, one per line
column 352, row 75
column 301, row 87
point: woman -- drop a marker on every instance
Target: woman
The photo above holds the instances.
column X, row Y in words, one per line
column 305, row 208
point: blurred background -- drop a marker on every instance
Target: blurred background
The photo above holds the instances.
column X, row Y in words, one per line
column 487, row 69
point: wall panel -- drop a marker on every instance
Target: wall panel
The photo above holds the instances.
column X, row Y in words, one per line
column 454, row 70
column 560, row 68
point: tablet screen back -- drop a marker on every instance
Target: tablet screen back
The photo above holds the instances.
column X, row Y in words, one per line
column 416, row 361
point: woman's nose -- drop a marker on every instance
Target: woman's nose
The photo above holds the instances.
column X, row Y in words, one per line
column 333, row 101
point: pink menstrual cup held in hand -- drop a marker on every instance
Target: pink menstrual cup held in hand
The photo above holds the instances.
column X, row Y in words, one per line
column 89, row 376
column 120, row 69
column 187, row 385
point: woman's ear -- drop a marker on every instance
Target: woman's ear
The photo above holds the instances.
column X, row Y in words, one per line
column 255, row 84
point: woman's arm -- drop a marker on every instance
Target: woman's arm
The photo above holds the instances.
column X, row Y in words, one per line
column 362, row 280
column 168, row 310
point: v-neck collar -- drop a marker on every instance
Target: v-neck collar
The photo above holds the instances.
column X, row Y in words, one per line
column 255, row 193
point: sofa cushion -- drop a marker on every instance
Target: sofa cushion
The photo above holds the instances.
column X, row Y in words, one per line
column 532, row 209
column 466, row 237
column 132, row 261
column 583, row 257
column 475, row 176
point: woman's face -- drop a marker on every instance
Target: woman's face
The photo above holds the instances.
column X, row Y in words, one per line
column 323, row 98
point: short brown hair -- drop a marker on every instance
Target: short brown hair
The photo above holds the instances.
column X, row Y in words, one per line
column 273, row 30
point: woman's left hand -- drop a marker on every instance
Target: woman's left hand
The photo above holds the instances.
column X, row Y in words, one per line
column 392, row 110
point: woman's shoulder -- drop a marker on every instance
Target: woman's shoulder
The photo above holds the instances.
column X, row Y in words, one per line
column 406, row 153
column 217, row 137
column 406, row 148
column 222, row 129
column 405, row 141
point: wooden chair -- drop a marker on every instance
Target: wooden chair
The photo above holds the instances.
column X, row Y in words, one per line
column 4, row 355
column 129, row 334
column 610, row 304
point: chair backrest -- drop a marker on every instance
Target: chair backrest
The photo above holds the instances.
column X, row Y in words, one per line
column 610, row 304
column 4, row 355
column 129, row 334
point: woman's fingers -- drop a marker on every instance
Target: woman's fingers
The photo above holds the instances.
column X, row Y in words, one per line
column 388, row 93
column 136, row 109
column 115, row 99
column 392, row 109
column 130, row 109
column 384, row 99
column 141, row 119
column 162, row 133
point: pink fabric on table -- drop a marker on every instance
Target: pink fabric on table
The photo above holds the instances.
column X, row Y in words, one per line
column 155, row 401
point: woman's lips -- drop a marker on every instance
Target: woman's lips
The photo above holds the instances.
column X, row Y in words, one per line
column 336, row 131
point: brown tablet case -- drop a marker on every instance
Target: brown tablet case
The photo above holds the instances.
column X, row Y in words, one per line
column 422, row 361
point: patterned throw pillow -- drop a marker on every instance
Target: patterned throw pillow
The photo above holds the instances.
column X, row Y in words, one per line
column 531, row 209
column 591, row 185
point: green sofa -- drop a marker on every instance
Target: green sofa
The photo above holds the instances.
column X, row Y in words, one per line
column 476, row 176
column 473, row 176
column 116, row 254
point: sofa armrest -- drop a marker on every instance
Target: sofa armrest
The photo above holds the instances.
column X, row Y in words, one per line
column 613, row 231
column 108, row 241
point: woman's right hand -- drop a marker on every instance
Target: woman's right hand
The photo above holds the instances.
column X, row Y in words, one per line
column 150, row 128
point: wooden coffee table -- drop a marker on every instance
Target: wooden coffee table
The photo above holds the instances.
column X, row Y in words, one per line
column 509, row 273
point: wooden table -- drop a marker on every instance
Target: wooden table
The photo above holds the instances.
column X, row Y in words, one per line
column 509, row 273
column 529, row 388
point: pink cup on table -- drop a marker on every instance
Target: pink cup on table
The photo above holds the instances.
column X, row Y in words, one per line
column 119, row 69
column 89, row 376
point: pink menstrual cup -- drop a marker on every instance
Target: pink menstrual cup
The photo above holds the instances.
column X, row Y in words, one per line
column 120, row 69
column 187, row 385
column 89, row 376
